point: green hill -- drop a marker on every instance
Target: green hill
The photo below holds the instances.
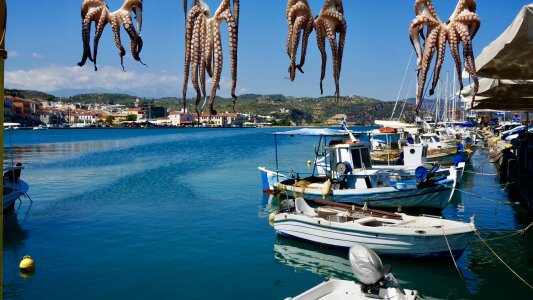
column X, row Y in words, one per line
column 301, row 110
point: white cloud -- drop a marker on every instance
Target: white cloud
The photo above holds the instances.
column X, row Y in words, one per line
column 36, row 55
column 13, row 53
column 53, row 78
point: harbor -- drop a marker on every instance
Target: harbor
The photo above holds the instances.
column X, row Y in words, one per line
column 96, row 228
column 232, row 173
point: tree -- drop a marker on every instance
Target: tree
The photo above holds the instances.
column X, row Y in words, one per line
column 131, row 118
column 109, row 120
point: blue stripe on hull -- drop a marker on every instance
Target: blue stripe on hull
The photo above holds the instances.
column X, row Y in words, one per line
column 438, row 255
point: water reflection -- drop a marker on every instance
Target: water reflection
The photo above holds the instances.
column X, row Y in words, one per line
column 322, row 262
column 14, row 234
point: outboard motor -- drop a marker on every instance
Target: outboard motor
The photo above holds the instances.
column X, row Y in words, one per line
column 287, row 206
column 423, row 176
column 368, row 269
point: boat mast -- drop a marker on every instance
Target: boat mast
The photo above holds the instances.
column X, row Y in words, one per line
column 3, row 57
column 453, row 97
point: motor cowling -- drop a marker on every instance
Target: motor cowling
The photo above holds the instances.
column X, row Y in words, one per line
column 366, row 264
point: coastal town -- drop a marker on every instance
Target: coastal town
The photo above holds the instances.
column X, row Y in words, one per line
column 48, row 113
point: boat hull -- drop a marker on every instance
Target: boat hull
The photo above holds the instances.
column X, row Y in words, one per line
column 17, row 189
column 343, row 289
column 435, row 197
column 407, row 243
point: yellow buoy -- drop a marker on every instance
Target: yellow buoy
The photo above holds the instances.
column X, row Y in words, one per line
column 27, row 263
column 309, row 162
column 496, row 139
column 326, row 189
column 27, row 267
column 508, row 146
column 271, row 217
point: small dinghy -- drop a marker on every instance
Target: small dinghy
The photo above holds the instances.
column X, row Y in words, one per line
column 376, row 281
column 342, row 226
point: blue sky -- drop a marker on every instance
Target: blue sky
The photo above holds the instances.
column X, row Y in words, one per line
column 44, row 45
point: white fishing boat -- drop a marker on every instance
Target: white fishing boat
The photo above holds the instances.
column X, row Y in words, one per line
column 395, row 234
column 14, row 187
column 376, row 281
column 347, row 175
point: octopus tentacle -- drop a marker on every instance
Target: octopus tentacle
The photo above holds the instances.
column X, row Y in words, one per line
column 195, row 59
column 99, row 30
column 217, row 70
column 295, row 40
column 429, row 50
column 193, row 13
column 453, row 40
column 115, row 25
column 330, row 34
column 441, row 47
column 305, row 39
column 321, row 42
column 233, row 43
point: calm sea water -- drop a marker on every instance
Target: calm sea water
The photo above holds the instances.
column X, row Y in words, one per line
column 179, row 214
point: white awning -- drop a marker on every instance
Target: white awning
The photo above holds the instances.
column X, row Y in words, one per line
column 496, row 94
column 510, row 56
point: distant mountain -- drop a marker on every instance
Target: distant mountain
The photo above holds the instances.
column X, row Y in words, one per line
column 28, row 94
column 73, row 92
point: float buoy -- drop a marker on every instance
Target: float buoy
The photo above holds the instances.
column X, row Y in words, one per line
column 326, row 188
column 308, row 162
column 27, row 267
column 271, row 217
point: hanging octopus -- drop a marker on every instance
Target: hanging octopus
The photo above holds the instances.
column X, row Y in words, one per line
column 98, row 12
column 203, row 49
column 327, row 24
column 461, row 28
column 301, row 22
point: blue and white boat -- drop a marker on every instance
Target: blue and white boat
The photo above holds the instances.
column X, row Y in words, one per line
column 343, row 172
column 14, row 187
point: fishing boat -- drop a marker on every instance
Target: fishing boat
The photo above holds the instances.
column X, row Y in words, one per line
column 14, row 187
column 343, row 172
column 376, row 281
column 395, row 234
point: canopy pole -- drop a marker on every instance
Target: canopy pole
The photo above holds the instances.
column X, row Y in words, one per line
column 276, row 146
column 3, row 57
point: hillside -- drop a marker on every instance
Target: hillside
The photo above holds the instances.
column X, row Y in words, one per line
column 301, row 110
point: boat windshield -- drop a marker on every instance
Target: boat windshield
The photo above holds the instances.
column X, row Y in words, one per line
column 436, row 138
column 360, row 157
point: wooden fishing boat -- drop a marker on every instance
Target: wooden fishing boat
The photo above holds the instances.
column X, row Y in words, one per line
column 345, row 174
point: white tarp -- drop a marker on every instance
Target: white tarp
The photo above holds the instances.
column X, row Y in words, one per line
column 510, row 56
column 496, row 94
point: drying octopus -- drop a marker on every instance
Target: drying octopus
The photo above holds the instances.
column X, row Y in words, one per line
column 203, row 49
column 459, row 29
column 98, row 12
column 301, row 22
column 326, row 24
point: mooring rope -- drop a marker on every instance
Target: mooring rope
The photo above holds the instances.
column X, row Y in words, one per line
column 481, row 173
column 520, row 231
column 474, row 195
column 510, row 269
column 453, row 258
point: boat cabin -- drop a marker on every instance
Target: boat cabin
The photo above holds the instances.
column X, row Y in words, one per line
column 351, row 168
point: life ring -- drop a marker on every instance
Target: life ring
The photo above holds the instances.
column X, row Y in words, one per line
column 388, row 130
column 352, row 142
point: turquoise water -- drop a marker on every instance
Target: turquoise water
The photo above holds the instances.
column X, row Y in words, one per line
column 179, row 214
